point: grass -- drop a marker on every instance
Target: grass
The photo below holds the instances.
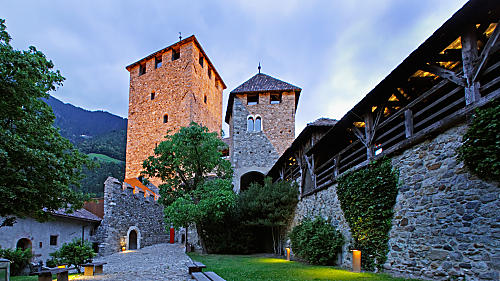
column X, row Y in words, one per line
column 103, row 158
column 35, row 278
column 239, row 268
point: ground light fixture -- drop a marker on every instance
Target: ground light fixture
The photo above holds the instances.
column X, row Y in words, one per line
column 5, row 267
column 287, row 253
column 356, row 260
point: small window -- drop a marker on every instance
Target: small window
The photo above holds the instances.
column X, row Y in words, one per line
column 40, row 244
column 258, row 124
column 200, row 60
column 152, row 95
column 205, row 99
column 209, row 74
column 175, row 54
column 158, row 62
column 250, row 124
column 275, row 98
column 142, row 69
column 253, row 99
column 165, row 118
column 53, row 240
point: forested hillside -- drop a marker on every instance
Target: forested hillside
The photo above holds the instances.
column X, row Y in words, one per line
column 99, row 134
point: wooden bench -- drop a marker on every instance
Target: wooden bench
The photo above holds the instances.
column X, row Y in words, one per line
column 206, row 276
column 46, row 274
column 195, row 267
column 93, row 268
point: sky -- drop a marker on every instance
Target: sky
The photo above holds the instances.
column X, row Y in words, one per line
column 336, row 51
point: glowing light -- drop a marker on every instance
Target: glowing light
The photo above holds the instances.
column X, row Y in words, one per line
column 287, row 254
column 356, row 260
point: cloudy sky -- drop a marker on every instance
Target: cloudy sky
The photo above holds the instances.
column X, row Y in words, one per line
column 336, row 51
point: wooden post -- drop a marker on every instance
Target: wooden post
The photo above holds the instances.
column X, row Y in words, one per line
column 469, row 59
column 408, row 123
column 336, row 162
column 370, row 153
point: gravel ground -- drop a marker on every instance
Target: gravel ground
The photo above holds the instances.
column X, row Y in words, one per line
column 157, row 262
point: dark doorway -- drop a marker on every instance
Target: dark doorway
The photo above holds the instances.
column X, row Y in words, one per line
column 247, row 179
column 23, row 244
column 132, row 240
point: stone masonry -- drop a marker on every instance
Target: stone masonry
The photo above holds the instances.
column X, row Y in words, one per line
column 125, row 211
column 185, row 89
column 445, row 225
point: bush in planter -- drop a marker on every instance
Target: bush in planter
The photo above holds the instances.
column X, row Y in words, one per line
column 316, row 241
column 74, row 253
column 19, row 259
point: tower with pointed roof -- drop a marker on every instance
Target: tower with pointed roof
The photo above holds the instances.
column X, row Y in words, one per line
column 261, row 118
column 169, row 89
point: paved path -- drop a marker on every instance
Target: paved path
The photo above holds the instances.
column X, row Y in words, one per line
column 157, row 262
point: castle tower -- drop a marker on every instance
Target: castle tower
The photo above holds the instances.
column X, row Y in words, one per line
column 261, row 118
column 169, row 89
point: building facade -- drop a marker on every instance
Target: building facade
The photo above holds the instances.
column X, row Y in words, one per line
column 261, row 118
column 168, row 90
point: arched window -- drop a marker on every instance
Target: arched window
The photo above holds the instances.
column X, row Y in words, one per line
column 258, row 124
column 165, row 118
column 250, row 124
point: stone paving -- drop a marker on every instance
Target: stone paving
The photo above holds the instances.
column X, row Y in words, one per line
column 157, row 262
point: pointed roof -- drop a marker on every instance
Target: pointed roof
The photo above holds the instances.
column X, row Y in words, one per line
column 259, row 83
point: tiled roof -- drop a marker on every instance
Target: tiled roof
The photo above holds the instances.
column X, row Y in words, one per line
column 264, row 83
column 323, row 122
column 80, row 214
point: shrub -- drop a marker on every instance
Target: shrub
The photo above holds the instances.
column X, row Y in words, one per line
column 367, row 198
column 52, row 262
column 74, row 253
column 480, row 148
column 316, row 241
column 19, row 259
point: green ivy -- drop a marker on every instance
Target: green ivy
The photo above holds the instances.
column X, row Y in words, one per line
column 19, row 259
column 316, row 241
column 367, row 197
column 480, row 148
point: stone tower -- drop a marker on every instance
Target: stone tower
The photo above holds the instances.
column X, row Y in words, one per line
column 169, row 89
column 261, row 118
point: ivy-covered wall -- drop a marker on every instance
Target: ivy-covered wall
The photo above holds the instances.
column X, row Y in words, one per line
column 446, row 221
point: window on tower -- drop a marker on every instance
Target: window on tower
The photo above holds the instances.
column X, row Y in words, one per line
column 200, row 60
column 252, row 99
column 209, row 74
column 165, row 118
column 258, row 124
column 250, row 124
column 152, row 95
column 205, row 99
column 175, row 54
column 158, row 62
column 275, row 98
column 142, row 69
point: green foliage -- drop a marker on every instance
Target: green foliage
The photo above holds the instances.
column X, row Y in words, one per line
column 186, row 162
column 52, row 262
column 480, row 148
column 316, row 241
column 93, row 182
column 37, row 165
column 74, row 253
column 112, row 144
column 367, row 198
column 19, row 259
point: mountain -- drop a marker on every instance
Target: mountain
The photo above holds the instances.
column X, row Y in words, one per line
column 99, row 134
column 78, row 124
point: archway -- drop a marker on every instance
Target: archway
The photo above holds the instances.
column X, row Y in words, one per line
column 247, row 179
column 23, row 244
column 132, row 240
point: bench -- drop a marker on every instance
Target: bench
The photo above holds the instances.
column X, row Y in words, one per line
column 195, row 267
column 92, row 268
column 206, row 276
column 46, row 274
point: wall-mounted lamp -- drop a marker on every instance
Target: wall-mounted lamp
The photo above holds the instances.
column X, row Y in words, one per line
column 287, row 253
column 356, row 260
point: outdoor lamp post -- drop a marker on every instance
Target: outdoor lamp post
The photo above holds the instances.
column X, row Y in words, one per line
column 356, row 260
column 287, row 254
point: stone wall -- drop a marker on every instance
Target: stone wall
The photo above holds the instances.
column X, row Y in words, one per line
column 258, row 151
column 446, row 223
column 125, row 211
column 180, row 87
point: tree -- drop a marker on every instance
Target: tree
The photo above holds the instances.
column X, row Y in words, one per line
column 37, row 165
column 270, row 205
column 196, row 180
column 75, row 253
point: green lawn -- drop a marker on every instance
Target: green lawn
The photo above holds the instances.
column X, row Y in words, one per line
column 104, row 158
column 35, row 278
column 233, row 268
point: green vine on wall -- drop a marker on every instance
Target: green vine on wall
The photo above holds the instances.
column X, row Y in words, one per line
column 480, row 148
column 367, row 198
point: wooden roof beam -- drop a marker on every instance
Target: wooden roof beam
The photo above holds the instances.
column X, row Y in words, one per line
column 444, row 73
column 491, row 46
